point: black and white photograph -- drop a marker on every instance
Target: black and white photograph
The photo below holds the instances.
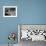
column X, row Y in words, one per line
column 29, row 34
column 9, row 11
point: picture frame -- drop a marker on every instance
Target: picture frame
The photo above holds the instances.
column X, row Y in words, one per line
column 39, row 28
column 9, row 11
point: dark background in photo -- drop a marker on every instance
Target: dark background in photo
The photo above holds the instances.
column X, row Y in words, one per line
column 10, row 11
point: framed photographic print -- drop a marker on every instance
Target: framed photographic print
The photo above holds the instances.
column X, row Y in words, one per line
column 9, row 11
column 33, row 32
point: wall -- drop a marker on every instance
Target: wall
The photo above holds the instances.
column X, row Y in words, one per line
column 29, row 12
column 7, row 25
